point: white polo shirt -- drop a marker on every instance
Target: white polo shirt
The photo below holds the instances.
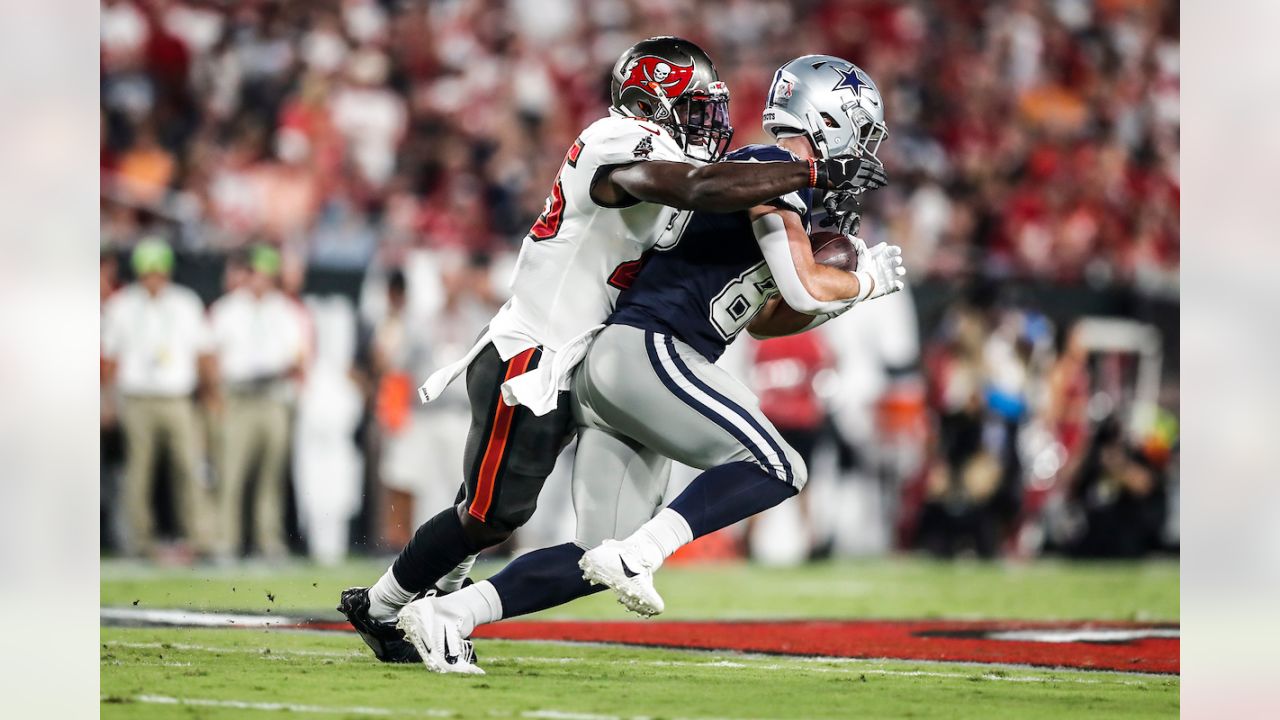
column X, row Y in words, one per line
column 256, row 338
column 155, row 341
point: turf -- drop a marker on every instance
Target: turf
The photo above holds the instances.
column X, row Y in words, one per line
column 224, row 673
column 898, row 588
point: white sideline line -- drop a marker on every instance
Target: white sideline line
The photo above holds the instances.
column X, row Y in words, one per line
column 374, row 711
column 291, row 707
column 811, row 663
column 835, row 660
column 248, row 651
column 1086, row 635
column 190, row 618
column 988, row 675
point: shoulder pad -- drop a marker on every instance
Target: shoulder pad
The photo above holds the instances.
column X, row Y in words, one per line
column 614, row 140
column 761, row 153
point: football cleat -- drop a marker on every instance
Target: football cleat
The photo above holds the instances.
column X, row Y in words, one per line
column 385, row 639
column 437, row 640
column 617, row 566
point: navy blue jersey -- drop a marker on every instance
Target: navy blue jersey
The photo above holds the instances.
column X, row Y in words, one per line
column 706, row 288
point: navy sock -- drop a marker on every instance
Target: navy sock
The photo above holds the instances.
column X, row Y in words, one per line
column 728, row 493
column 437, row 547
column 542, row 579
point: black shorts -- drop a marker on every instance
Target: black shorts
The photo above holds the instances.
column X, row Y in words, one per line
column 510, row 451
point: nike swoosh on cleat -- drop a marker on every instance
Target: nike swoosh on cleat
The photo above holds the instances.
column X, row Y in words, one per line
column 626, row 570
column 451, row 659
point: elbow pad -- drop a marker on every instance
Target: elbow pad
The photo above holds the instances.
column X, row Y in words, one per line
column 771, row 234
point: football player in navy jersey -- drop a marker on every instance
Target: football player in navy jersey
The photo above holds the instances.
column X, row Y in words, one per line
column 627, row 185
column 648, row 390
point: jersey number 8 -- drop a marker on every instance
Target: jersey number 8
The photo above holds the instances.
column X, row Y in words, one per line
column 741, row 299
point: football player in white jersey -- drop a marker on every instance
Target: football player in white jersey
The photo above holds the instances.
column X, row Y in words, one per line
column 649, row 388
column 627, row 185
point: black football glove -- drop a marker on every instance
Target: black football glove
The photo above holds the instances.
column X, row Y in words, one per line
column 848, row 173
column 842, row 212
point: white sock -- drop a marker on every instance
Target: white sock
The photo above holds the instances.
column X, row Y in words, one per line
column 661, row 536
column 386, row 597
column 472, row 606
column 452, row 582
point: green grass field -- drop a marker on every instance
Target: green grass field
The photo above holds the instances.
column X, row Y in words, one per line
column 223, row 673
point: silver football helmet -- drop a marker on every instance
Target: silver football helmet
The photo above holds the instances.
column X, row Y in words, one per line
column 832, row 101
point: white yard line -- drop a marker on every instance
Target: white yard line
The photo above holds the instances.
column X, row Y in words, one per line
column 548, row 714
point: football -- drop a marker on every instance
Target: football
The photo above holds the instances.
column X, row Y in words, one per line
column 834, row 250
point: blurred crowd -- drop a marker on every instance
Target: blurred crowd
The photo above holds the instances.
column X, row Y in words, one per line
column 411, row 143
column 270, row 422
column 1029, row 137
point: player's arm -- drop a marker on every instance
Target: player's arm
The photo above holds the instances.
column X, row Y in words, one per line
column 728, row 186
column 777, row 319
column 805, row 285
column 811, row 290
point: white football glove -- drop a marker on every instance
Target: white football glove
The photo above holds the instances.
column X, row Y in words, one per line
column 880, row 270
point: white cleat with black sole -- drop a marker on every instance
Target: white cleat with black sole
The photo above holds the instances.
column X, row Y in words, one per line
column 436, row 637
column 616, row 565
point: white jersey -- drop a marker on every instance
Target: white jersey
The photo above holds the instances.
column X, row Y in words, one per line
column 578, row 256
column 575, row 259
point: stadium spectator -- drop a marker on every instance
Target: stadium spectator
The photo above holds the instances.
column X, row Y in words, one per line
column 1004, row 158
column 424, row 313
column 396, row 349
column 155, row 345
column 985, row 371
column 1118, row 497
column 259, row 343
column 327, row 464
column 785, row 371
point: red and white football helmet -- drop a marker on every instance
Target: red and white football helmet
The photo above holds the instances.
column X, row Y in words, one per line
column 672, row 82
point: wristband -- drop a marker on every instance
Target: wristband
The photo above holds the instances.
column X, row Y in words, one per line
column 866, row 283
column 813, row 173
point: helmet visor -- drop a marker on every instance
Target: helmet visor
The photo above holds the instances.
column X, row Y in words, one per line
column 703, row 124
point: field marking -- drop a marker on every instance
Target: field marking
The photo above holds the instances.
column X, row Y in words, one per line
column 1086, row 635
column 835, row 660
column 290, row 707
column 761, row 662
column 549, row 714
column 189, row 618
column 734, row 665
column 349, row 654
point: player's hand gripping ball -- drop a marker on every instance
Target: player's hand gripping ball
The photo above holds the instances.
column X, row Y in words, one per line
column 879, row 269
column 834, row 250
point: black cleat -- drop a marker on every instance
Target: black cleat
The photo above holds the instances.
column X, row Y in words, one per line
column 385, row 639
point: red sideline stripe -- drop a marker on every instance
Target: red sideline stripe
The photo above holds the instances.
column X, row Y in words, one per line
column 954, row 641
column 497, row 444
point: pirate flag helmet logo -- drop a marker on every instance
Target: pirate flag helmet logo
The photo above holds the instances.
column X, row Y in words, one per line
column 672, row 82
column 657, row 77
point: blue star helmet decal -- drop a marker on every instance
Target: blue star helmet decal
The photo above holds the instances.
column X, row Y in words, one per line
column 852, row 79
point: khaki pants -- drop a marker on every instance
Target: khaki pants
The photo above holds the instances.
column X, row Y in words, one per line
column 149, row 424
column 254, row 433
